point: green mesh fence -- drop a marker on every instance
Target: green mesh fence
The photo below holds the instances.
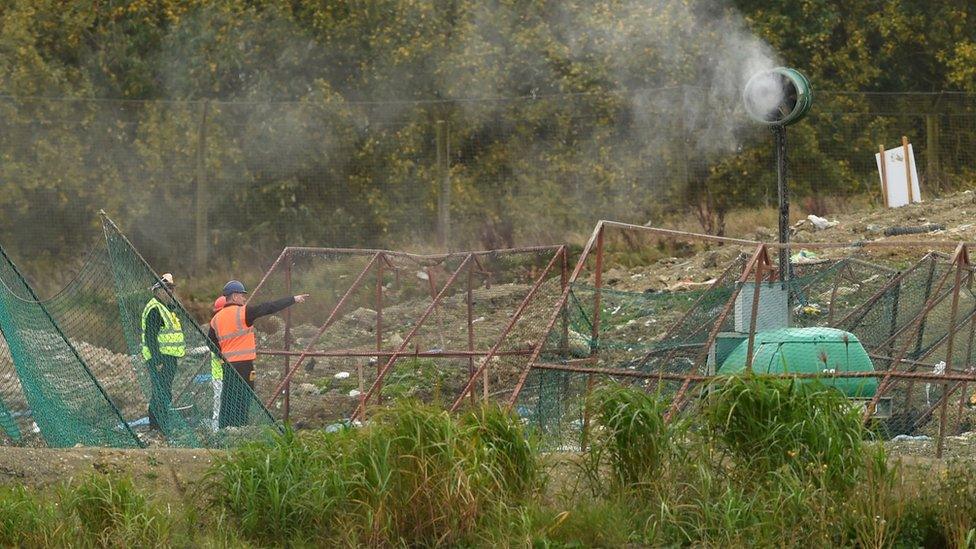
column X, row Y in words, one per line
column 63, row 401
column 72, row 370
column 880, row 298
column 192, row 418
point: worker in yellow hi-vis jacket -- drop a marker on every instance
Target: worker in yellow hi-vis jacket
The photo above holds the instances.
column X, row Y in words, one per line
column 163, row 344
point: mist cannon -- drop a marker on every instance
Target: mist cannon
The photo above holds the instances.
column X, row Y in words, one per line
column 778, row 98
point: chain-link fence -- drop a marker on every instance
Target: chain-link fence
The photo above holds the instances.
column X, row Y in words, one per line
column 211, row 183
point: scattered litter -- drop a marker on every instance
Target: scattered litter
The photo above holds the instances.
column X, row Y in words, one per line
column 929, row 228
column 809, row 310
column 341, row 375
column 141, row 422
column 938, row 370
column 919, row 438
column 689, row 285
column 423, row 275
column 615, row 311
column 803, row 257
column 821, row 223
column 354, row 393
column 479, row 319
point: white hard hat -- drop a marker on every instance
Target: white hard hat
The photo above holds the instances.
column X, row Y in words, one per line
column 166, row 279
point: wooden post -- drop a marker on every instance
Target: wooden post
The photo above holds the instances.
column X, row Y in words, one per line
column 884, row 176
column 908, row 168
column 933, row 167
column 444, row 179
column 202, row 229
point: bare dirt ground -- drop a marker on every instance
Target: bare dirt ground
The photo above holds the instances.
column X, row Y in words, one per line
column 168, row 473
column 691, row 271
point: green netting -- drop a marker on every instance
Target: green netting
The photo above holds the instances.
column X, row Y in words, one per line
column 72, row 371
column 665, row 332
column 191, row 420
column 60, row 394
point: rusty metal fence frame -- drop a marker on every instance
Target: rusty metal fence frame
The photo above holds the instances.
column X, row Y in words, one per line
column 761, row 268
column 380, row 260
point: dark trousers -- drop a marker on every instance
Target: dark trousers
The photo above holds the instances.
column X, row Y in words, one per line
column 160, row 402
column 236, row 398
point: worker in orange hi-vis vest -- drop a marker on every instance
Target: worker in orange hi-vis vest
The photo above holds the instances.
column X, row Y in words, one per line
column 232, row 330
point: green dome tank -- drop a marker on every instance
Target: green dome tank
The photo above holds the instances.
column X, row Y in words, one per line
column 807, row 351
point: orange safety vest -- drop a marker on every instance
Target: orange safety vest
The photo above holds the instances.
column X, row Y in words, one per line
column 236, row 339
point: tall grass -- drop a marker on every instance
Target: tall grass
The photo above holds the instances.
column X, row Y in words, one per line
column 767, row 423
column 26, row 519
column 759, row 464
column 631, row 439
column 414, row 476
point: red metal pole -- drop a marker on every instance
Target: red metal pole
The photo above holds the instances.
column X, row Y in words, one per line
column 563, row 283
column 406, row 341
column 555, row 316
column 969, row 356
column 284, row 253
column 595, row 339
column 379, row 328
column 761, row 254
column 755, row 312
column 470, row 310
column 923, row 376
column 333, row 316
column 348, row 353
column 511, row 324
column 287, row 337
column 962, row 259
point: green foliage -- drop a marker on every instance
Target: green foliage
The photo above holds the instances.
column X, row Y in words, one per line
column 631, row 438
column 769, row 423
column 415, row 475
column 320, row 126
column 26, row 519
column 112, row 512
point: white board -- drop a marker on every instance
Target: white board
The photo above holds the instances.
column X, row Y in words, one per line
column 896, row 176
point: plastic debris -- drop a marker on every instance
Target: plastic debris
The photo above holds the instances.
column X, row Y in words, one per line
column 804, row 256
column 820, row 223
column 341, row 375
column 919, row 438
